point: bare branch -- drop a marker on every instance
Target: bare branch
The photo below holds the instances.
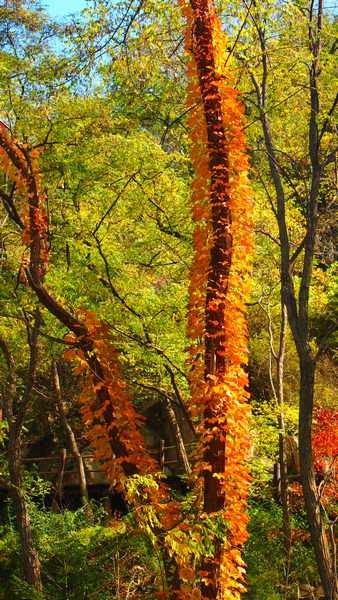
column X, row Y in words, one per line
column 326, row 123
column 109, row 280
column 179, row 398
column 118, row 196
column 297, row 252
column 10, row 207
column 268, row 235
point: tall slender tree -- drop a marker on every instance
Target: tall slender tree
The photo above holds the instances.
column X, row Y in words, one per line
column 321, row 155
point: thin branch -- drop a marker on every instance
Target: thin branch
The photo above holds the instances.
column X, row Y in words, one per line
column 232, row 49
column 268, row 235
column 105, row 215
column 327, row 120
column 268, row 195
column 297, row 252
column 180, row 399
column 57, row 340
column 10, row 206
column 149, row 344
column 109, row 280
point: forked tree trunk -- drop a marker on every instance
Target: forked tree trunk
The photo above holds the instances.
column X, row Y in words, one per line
column 298, row 305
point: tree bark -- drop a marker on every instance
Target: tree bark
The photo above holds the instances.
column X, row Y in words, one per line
column 71, row 439
column 298, row 308
column 311, row 497
column 178, row 435
column 30, row 559
column 15, row 410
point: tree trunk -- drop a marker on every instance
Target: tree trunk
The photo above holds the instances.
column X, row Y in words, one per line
column 311, row 498
column 178, row 435
column 73, row 445
column 282, row 440
column 30, row 560
column 298, row 311
column 285, row 502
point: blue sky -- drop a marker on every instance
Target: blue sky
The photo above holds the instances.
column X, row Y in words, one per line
column 60, row 8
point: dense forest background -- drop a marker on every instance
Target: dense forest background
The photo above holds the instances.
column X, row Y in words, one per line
column 101, row 97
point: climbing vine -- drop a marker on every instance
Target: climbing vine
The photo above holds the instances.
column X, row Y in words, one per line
column 113, row 427
column 218, row 292
column 106, row 407
column 217, row 327
column 21, row 167
column 111, row 420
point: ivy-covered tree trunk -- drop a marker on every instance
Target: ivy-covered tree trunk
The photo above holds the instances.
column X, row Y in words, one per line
column 218, row 270
column 218, row 289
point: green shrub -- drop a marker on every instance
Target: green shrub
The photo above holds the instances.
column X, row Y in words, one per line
column 82, row 556
column 265, row 556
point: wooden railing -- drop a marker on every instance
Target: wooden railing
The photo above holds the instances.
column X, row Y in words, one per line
column 49, row 465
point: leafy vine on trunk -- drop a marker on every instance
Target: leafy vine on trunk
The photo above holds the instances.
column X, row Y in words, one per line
column 218, row 291
column 108, row 412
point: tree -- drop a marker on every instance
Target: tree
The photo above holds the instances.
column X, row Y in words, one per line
column 15, row 406
column 116, row 230
column 217, row 294
column 320, row 156
column 71, row 439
